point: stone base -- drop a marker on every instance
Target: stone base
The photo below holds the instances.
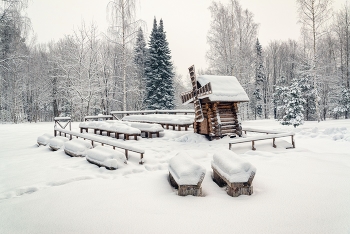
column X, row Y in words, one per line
column 237, row 191
column 193, row 190
column 184, row 190
column 234, row 189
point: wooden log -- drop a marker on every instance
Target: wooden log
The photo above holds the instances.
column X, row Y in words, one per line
column 223, row 127
column 227, row 131
column 227, row 119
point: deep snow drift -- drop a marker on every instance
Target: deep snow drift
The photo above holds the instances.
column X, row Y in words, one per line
column 301, row 190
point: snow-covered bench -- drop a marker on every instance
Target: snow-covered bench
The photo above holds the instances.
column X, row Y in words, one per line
column 104, row 141
column 44, row 139
column 98, row 117
column 186, row 175
column 104, row 157
column 56, row 143
column 115, row 127
column 229, row 169
column 148, row 129
column 76, row 147
column 269, row 135
column 175, row 121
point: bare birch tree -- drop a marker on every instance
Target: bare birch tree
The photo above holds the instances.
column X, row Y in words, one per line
column 313, row 15
column 123, row 29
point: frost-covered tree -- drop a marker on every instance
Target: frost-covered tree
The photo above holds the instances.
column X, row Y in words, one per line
column 14, row 55
column 159, row 71
column 307, row 88
column 231, row 38
column 313, row 15
column 140, row 56
column 123, row 29
column 293, row 105
column 260, row 83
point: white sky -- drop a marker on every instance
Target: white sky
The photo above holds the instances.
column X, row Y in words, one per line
column 185, row 21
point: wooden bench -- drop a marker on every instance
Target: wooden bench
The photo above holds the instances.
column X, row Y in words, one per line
column 147, row 129
column 175, row 121
column 98, row 117
column 126, row 135
column 103, row 141
column 186, row 175
column 231, row 170
column 174, row 126
column 253, row 139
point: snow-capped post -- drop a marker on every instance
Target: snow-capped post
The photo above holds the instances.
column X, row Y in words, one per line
column 229, row 169
column 58, row 122
column 215, row 101
column 186, row 175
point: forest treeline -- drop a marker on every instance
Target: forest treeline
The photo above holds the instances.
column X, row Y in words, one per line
column 91, row 72
column 288, row 80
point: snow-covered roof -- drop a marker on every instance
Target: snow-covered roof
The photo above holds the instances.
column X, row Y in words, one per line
column 224, row 88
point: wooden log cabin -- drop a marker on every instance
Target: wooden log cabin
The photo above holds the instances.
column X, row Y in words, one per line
column 216, row 100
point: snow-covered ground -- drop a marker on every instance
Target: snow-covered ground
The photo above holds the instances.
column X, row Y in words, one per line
column 301, row 190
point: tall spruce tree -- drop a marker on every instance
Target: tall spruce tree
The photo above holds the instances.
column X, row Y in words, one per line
column 140, row 57
column 159, row 71
column 260, row 78
column 294, row 105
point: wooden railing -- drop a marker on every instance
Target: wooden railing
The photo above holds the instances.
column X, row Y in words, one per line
column 143, row 112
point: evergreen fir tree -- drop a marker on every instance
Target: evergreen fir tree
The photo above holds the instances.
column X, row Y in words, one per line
column 159, row 71
column 306, row 85
column 259, row 80
column 344, row 104
column 294, row 106
column 151, row 75
column 140, row 56
column 165, row 70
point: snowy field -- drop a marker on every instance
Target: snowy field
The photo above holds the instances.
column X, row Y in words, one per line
column 301, row 190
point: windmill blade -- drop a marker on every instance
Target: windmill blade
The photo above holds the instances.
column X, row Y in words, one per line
column 193, row 77
column 187, row 97
column 204, row 90
column 198, row 110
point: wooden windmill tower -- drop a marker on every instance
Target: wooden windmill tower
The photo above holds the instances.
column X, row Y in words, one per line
column 215, row 100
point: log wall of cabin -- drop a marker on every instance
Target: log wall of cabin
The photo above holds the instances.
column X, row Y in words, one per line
column 220, row 119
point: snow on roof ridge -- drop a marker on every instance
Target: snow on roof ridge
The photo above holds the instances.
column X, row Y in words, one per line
column 224, row 88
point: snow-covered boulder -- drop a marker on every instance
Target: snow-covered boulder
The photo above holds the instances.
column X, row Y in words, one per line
column 44, row 139
column 77, row 147
column 230, row 169
column 186, row 174
column 57, row 142
column 105, row 157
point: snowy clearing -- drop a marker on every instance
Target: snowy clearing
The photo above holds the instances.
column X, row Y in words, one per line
column 301, row 190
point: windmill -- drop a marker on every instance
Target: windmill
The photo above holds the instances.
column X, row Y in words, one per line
column 215, row 100
column 194, row 95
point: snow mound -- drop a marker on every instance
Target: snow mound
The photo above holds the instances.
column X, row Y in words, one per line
column 44, row 139
column 340, row 133
column 57, row 142
column 105, row 157
column 231, row 166
column 77, row 147
column 185, row 170
column 192, row 138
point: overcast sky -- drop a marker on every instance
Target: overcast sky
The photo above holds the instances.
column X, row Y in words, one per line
column 185, row 21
